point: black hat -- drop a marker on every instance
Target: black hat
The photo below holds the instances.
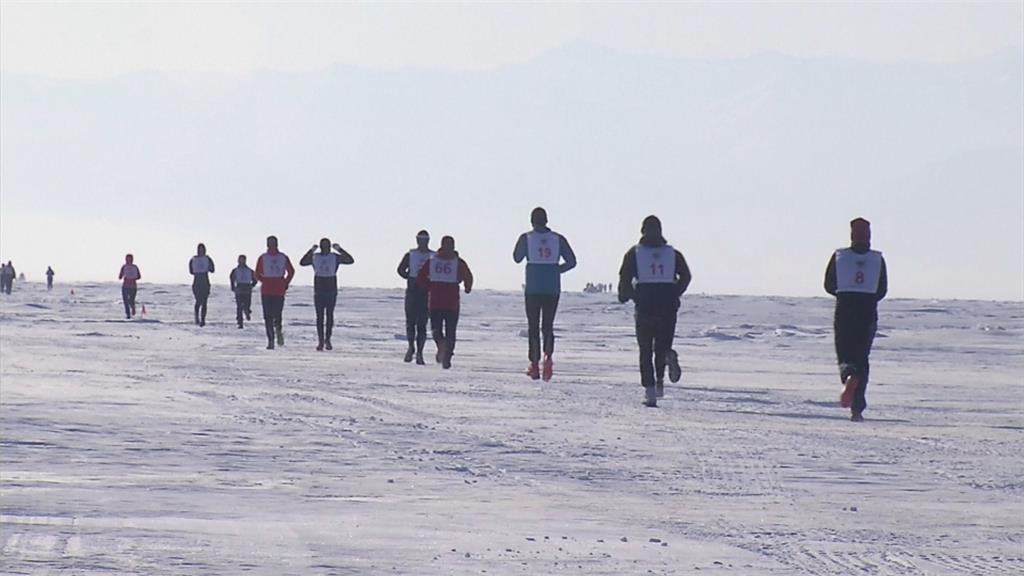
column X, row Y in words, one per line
column 539, row 217
column 651, row 226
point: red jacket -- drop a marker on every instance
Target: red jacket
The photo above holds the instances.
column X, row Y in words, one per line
column 442, row 282
column 274, row 271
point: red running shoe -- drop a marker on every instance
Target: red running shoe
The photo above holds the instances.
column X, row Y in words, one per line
column 846, row 398
column 549, row 369
column 533, row 371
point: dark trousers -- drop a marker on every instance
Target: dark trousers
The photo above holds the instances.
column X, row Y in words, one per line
column 202, row 294
column 443, row 323
column 654, row 334
column 324, row 302
column 416, row 316
column 540, row 316
column 243, row 303
column 128, row 297
column 854, row 337
column 273, row 307
column 6, row 284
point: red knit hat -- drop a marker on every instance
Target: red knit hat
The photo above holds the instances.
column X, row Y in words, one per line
column 860, row 231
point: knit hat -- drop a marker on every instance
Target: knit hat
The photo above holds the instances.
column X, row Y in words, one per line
column 860, row 231
column 539, row 217
column 651, row 226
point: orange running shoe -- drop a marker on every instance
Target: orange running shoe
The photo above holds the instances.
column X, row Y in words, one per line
column 533, row 371
column 846, row 398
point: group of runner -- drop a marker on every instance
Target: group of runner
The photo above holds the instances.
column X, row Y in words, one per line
column 653, row 274
column 7, row 275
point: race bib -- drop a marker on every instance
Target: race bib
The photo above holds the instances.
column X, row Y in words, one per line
column 274, row 265
column 444, row 270
column 325, row 265
column 543, row 248
column 858, row 272
column 243, row 276
column 416, row 261
column 200, row 264
column 131, row 272
column 655, row 265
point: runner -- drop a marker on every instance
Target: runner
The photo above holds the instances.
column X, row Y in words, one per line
column 654, row 275
column 416, row 312
column 857, row 277
column 325, row 286
column 6, row 277
column 49, row 278
column 201, row 266
column 441, row 277
column 243, row 280
column 548, row 256
column 129, row 288
column 274, row 272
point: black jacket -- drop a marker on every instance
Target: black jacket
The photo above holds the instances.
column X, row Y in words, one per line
column 652, row 299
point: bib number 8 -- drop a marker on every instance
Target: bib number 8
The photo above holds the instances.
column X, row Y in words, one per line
column 859, row 278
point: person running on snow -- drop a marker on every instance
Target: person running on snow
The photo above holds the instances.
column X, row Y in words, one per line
column 441, row 277
column 49, row 278
column 325, row 286
column 6, row 277
column 274, row 272
column 548, row 256
column 130, row 275
column 654, row 275
column 857, row 278
column 200, row 267
column 416, row 313
column 243, row 280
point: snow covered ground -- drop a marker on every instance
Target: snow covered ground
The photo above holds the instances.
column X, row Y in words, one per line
column 156, row 447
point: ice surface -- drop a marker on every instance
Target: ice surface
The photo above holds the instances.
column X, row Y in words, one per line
column 162, row 448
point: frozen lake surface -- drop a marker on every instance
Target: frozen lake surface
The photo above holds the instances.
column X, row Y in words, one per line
column 155, row 447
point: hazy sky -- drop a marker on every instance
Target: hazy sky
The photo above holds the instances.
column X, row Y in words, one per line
column 221, row 42
column 92, row 40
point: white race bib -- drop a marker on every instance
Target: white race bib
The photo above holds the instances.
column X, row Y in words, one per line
column 274, row 265
column 325, row 265
column 200, row 264
column 416, row 261
column 655, row 265
column 444, row 270
column 243, row 276
column 858, row 272
column 543, row 248
column 131, row 272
